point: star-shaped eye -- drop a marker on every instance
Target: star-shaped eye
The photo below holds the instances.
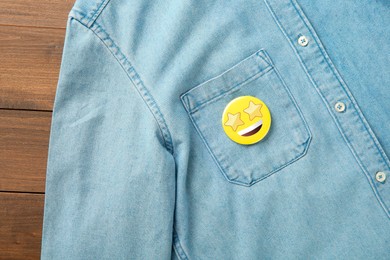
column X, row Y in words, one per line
column 253, row 110
column 234, row 121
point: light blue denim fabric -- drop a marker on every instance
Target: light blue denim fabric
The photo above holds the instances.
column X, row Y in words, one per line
column 139, row 166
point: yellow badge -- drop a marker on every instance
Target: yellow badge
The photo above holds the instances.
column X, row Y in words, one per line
column 246, row 120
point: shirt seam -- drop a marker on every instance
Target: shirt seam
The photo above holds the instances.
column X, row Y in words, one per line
column 90, row 18
column 177, row 246
column 132, row 74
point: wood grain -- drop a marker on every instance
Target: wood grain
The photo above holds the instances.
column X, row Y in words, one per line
column 21, row 218
column 29, row 66
column 24, row 137
column 39, row 13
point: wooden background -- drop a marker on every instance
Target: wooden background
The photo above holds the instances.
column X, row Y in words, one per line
column 31, row 40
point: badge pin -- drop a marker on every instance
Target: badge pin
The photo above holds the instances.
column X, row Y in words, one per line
column 246, row 120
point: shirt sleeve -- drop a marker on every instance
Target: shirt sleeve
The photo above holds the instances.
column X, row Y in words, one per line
column 110, row 184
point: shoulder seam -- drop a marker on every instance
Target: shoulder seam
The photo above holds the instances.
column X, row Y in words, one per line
column 88, row 19
column 134, row 77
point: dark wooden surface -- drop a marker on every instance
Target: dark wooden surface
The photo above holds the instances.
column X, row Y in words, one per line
column 31, row 40
column 30, row 60
column 20, row 225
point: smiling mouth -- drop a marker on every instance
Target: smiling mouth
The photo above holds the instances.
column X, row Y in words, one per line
column 251, row 130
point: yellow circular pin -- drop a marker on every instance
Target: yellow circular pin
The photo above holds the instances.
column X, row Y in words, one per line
column 246, row 120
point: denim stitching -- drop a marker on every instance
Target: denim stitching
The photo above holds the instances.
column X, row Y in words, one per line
column 88, row 19
column 208, row 148
column 79, row 16
column 290, row 95
column 259, row 53
column 97, row 11
column 134, row 78
column 264, row 56
column 177, row 247
column 293, row 100
column 374, row 189
column 222, row 94
column 231, row 68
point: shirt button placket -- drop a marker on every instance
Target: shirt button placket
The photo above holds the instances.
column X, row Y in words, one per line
column 336, row 95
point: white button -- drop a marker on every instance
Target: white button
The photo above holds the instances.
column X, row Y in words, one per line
column 340, row 107
column 303, row 41
column 380, row 176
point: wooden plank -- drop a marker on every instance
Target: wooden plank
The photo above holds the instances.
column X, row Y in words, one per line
column 21, row 217
column 42, row 13
column 29, row 66
column 24, row 138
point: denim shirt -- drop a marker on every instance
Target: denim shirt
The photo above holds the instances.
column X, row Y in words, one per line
column 139, row 164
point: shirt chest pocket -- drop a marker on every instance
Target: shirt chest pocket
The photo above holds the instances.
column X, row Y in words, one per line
column 287, row 139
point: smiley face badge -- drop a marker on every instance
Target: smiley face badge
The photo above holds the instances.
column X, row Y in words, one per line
column 246, row 120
